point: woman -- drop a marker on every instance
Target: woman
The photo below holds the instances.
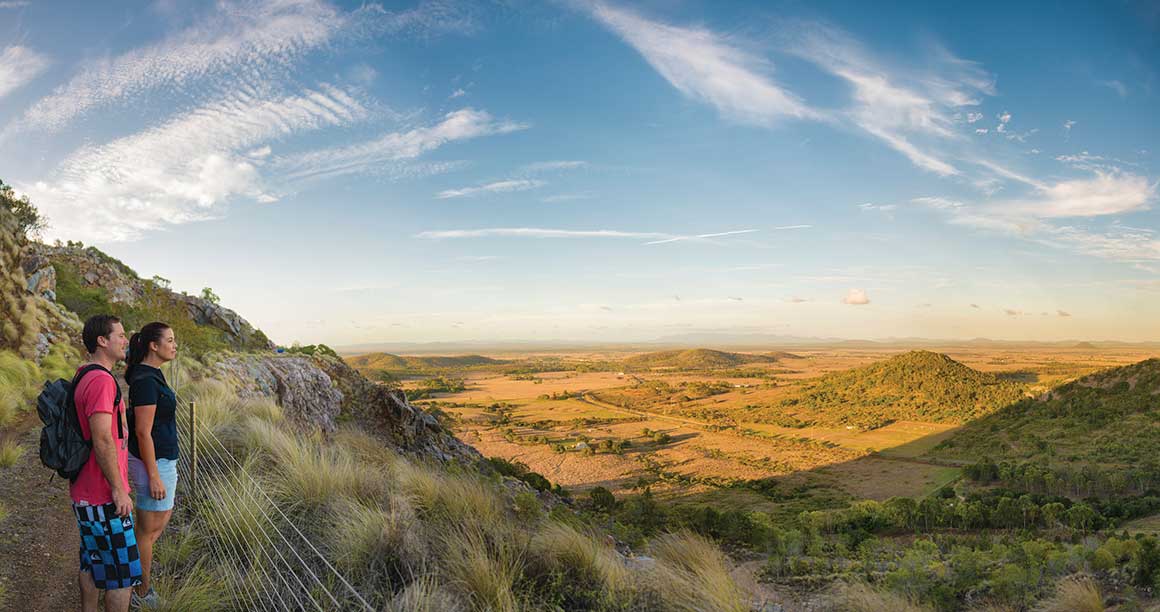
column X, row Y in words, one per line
column 152, row 420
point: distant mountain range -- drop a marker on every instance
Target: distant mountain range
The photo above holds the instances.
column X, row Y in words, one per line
column 724, row 341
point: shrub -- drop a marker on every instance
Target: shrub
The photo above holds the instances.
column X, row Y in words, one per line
column 602, row 499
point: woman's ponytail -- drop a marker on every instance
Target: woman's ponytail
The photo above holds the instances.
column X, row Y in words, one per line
column 139, row 346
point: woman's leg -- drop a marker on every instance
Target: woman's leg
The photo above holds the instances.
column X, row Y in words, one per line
column 150, row 525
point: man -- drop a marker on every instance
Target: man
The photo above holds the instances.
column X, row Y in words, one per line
column 109, row 560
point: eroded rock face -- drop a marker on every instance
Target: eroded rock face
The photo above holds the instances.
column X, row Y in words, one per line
column 320, row 391
column 305, row 393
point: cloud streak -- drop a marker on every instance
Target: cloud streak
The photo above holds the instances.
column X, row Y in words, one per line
column 505, row 186
column 18, row 66
column 706, row 67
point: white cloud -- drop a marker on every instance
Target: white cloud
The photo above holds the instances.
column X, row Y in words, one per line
column 505, row 186
column 12, row 4
column 18, row 66
column 1116, row 86
column 1004, row 117
column 856, row 297
column 1067, row 125
column 973, row 117
column 1106, row 193
column 538, row 232
column 185, row 169
column 238, row 40
column 869, row 206
column 464, row 124
column 981, row 130
column 457, row 93
column 939, row 203
column 568, row 197
column 701, row 236
column 551, row 166
column 705, row 66
column 907, row 110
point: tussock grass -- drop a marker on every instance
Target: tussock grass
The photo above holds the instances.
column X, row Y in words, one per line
column 691, row 573
column 379, row 548
column 365, row 447
column 10, row 453
column 233, row 515
column 196, row 591
column 861, row 597
column 20, row 382
column 482, row 569
column 309, row 476
column 178, row 548
column 424, row 595
column 581, row 557
column 452, row 498
column 1074, row 594
column 217, row 404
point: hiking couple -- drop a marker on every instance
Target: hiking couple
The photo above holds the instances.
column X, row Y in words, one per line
column 133, row 452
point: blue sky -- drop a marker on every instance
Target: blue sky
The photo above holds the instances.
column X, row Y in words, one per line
column 605, row 171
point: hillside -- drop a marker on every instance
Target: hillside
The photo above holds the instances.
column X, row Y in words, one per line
column 1110, row 417
column 696, row 359
column 389, row 362
column 914, row 386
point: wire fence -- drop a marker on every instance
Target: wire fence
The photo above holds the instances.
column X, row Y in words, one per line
column 276, row 565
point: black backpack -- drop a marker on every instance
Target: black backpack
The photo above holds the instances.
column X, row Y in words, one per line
column 62, row 445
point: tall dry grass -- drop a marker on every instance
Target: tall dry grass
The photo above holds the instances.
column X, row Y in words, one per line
column 1074, row 594
column 861, row 597
column 692, row 573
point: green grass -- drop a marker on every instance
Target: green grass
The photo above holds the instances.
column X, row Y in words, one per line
column 10, row 453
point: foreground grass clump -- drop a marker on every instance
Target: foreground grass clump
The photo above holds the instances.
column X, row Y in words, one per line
column 1074, row 594
column 406, row 534
column 861, row 597
column 10, row 453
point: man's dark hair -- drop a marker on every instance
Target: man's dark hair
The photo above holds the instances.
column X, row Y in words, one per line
column 98, row 326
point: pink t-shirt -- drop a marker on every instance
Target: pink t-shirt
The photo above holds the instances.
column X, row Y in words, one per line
column 96, row 393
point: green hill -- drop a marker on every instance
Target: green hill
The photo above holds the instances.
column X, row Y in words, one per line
column 396, row 363
column 695, row 359
column 1110, row 417
column 915, row 386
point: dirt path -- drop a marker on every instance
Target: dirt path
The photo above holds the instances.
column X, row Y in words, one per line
column 38, row 537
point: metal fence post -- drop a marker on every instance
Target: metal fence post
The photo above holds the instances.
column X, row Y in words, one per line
column 192, row 445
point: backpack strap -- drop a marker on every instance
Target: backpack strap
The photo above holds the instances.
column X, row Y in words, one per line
column 74, row 418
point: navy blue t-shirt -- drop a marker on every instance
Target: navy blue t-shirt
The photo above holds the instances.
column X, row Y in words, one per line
column 148, row 387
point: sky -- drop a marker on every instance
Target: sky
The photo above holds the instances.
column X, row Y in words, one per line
column 605, row 171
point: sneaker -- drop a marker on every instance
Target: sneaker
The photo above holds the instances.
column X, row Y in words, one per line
column 146, row 601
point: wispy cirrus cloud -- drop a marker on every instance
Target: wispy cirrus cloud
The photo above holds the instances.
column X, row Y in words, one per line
column 184, row 169
column 239, row 42
column 909, row 110
column 652, row 238
column 257, row 37
column 393, row 147
column 537, row 232
column 505, row 186
column 708, row 67
column 553, row 166
column 701, row 236
column 18, row 66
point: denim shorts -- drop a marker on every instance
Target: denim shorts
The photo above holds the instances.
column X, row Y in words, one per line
column 139, row 478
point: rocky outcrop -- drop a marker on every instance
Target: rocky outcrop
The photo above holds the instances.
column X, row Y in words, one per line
column 121, row 285
column 305, row 393
column 320, row 391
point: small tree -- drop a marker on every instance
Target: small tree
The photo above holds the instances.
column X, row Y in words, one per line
column 208, row 295
column 28, row 218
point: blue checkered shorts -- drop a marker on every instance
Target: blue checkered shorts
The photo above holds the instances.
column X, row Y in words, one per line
column 108, row 547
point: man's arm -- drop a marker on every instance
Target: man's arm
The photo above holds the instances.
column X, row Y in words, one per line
column 105, row 446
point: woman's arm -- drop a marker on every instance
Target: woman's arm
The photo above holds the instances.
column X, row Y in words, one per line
column 144, row 416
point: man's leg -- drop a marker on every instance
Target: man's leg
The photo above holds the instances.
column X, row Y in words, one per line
column 117, row 600
column 89, row 592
